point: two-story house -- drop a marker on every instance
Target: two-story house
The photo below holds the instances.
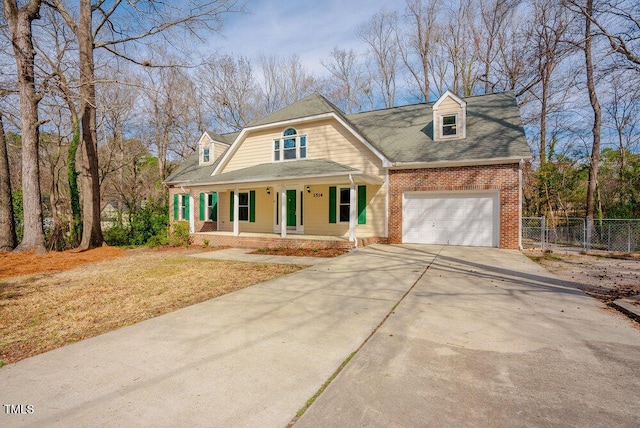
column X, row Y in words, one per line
column 448, row 172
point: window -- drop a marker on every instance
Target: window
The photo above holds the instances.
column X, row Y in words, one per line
column 290, row 147
column 184, row 207
column 246, row 206
column 449, row 125
column 205, row 155
column 345, row 204
column 243, row 206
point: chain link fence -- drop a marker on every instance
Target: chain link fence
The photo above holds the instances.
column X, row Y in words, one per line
column 621, row 235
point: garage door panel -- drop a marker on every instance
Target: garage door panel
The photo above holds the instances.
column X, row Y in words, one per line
column 454, row 218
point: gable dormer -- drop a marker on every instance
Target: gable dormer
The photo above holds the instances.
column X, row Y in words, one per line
column 449, row 117
column 210, row 148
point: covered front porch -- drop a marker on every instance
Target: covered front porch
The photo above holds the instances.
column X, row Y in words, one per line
column 274, row 240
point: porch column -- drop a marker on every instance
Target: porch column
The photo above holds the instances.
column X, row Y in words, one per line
column 192, row 216
column 283, row 212
column 353, row 211
column 236, row 213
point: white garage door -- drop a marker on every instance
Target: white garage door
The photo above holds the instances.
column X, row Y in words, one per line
column 452, row 218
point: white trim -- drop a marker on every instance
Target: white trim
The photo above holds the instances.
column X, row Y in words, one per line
column 448, row 93
column 192, row 214
column 236, row 212
column 386, row 204
column 237, row 142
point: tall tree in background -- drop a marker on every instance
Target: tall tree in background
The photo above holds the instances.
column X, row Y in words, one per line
column 380, row 35
column 20, row 20
column 421, row 17
column 8, row 240
column 347, row 79
column 597, row 116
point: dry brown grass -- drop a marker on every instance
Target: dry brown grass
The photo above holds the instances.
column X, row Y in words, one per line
column 47, row 310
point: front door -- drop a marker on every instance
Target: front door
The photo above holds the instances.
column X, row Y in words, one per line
column 291, row 208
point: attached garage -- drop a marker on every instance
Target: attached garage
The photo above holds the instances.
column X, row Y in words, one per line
column 451, row 218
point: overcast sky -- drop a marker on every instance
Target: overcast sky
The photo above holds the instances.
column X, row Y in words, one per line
column 309, row 28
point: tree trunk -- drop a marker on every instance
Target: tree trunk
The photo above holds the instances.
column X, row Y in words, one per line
column 597, row 120
column 72, row 177
column 20, row 20
column 91, row 230
column 8, row 240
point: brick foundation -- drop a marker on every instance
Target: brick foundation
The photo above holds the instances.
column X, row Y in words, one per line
column 503, row 178
column 217, row 240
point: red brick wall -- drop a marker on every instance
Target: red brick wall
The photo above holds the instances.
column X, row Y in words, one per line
column 490, row 177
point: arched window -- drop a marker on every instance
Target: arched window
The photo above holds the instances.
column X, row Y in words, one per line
column 291, row 146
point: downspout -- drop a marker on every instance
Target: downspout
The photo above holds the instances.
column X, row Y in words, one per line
column 353, row 209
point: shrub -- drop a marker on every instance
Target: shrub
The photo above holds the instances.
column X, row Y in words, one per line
column 180, row 234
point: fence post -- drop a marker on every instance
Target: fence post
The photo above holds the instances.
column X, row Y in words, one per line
column 587, row 234
column 628, row 237
column 543, row 226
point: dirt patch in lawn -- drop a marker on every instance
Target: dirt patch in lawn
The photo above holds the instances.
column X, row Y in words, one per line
column 301, row 252
column 45, row 310
column 605, row 276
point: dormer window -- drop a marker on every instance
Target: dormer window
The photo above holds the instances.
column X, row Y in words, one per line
column 450, row 125
column 290, row 147
column 206, row 155
column 449, row 117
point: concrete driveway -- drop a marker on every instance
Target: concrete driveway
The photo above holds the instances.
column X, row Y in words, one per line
column 479, row 337
column 488, row 338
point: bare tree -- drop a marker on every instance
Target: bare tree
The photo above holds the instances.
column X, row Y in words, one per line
column 20, row 20
column 285, row 81
column 8, row 240
column 106, row 32
column 380, row 34
column 495, row 23
column 230, row 91
column 416, row 42
column 347, row 79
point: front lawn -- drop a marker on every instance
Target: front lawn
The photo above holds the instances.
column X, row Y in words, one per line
column 81, row 295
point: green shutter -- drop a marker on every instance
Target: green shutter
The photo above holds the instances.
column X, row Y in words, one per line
column 214, row 206
column 231, row 208
column 176, row 206
column 362, row 204
column 332, row 204
column 202, row 204
column 187, row 214
column 252, row 206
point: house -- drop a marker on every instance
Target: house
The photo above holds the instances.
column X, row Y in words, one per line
column 448, row 172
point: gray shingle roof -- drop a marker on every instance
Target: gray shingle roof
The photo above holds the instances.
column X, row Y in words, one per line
column 279, row 170
column 405, row 134
column 402, row 134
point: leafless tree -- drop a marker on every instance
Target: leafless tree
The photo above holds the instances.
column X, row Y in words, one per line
column 20, row 20
column 8, row 240
column 416, row 42
column 347, row 79
column 116, row 25
column 380, row 35
column 230, row 91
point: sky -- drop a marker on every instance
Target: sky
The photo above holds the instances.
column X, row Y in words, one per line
column 308, row 28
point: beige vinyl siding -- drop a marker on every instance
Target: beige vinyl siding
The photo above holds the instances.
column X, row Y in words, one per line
column 264, row 212
column 326, row 139
column 316, row 213
column 219, row 149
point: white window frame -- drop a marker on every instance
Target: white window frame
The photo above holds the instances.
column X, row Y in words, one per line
column 457, row 125
column 248, row 205
column 340, row 204
column 206, row 154
column 281, row 150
